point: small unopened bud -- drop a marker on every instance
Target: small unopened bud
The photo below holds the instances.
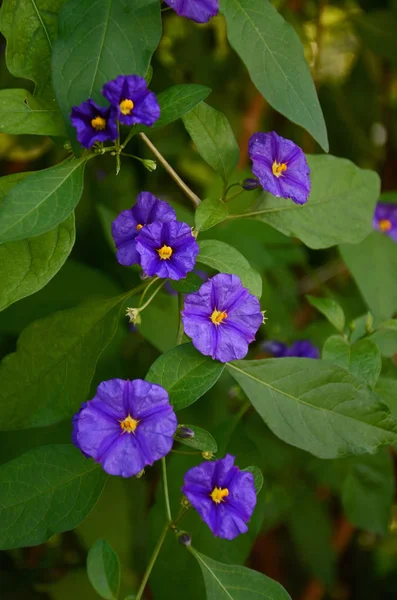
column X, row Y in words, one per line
column 185, row 432
column 194, row 232
column 67, row 146
column 207, row 455
column 140, row 474
column 369, row 323
column 250, row 184
column 149, row 164
column 185, row 539
column 133, row 315
column 185, row 502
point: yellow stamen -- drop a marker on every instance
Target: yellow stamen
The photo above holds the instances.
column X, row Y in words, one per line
column 99, row 123
column 278, row 168
column 126, row 106
column 384, row 225
column 218, row 495
column 128, row 425
column 218, row 316
column 165, row 252
column 139, row 227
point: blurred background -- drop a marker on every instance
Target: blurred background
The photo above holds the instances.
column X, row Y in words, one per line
column 300, row 535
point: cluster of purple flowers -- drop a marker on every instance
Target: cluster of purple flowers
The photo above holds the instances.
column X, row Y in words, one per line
column 300, row 349
column 385, row 219
column 130, row 103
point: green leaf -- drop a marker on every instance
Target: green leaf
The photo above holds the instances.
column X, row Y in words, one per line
column 316, row 406
column 103, row 569
column 339, row 209
column 226, row 259
column 202, row 440
column 49, row 375
column 385, row 337
column 191, row 283
column 46, row 491
column 30, row 27
column 214, row 139
column 258, row 477
column 41, row 201
column 230, row 582
column 362, row 358
column 376, row 255
column 160, row 322
column 185, row 374
column 273, row 55
column 22, row 113
column 330, row 309
column 97, row 41
column 178, row 100
column 386, row 389
column 209, row 213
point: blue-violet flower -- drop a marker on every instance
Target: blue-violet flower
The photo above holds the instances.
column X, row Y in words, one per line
column 222, row 318
column 94, row 123
column 223, row 496
column 200, row 11
column 300, row 349
column 385, row 219
column 280, row 166
column 126, row 426
column 133, row 101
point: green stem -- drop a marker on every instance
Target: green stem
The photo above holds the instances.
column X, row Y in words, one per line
column 146, row 290
column 229, row 188
column 186, row 453
column 253, row 214
column 153, row 559
column 166, row 494
column 128, row 138
column 181, row 331
column 141, row 308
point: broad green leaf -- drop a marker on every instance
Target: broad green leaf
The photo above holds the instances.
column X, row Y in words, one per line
column 191, row 283
column 41, row 201
column 97, row 41
column 386, row 389
column 160, row 322
column 362, row 358
column 339, row 210
column 330, row 309
column 209, row 213
column 20, row 112
column 46, row 491
column 214, row 139
column 30, row 28
column 316, row 406
column 230, row 582
column 258, row 477
column 226, row 259
column 202, row 440
column 376, row 255
column 185, row 374
column 49, row 375
column 385, row 337
column 103, row 569
column 178, row 100
column 273, row 55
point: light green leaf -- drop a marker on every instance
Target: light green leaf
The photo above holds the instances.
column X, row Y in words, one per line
column 258, row 477
column 202, row 440
column 49, row 375
column 103, row 569
column 385, row 337
column 339, row 210
column 178, row 100
column 377, row 255
column 214, row 139
column 30, row 28
column 41, row 201
column 316, row 406
column 22, row 113
column 362, row 358
column 46, row 491
column 209, row 213
column 185, row 374
column 330, row 309
column 273, row 55
column 386, row 389
column 230, row 582
column 226, row 259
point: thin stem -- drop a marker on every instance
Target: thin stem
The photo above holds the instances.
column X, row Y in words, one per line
column 128, row 138
column 229, row 188
column 153, row 559
column 166, row 494
column 145, row 291
column 181, row 331
column 253, row 214
column 186, row 453
column 141, row 308
column 173, row 174
column 233, row 196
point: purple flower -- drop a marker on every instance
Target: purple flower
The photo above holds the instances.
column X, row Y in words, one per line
column 94, row 123
column 127, row 225
column 385, row 219
column 300, row 349
column 126, row 426
column 167, row 250
column 132, row 100
column 200, row 11
column 280, row 166
column 223, row 496
column 222, row 318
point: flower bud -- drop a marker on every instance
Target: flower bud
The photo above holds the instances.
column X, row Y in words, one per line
column 133, row 315
column 207, row 455
column 185, row 539
column 149, row 164
column 250, row 184
column 185, row 432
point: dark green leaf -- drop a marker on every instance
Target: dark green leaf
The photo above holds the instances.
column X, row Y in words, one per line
column 258, row 477
column 179, row 100
column 385, row 337
column 377, row 30
column 209, row 213
column 103, row 569
column 41, row 201
column 20, row 112
column 202, row 440
column 214, row 139
column 226, row 259
column 185, row 374
column 362, row 358
column 191, row 283
column 316, row 406
column 339, row 209
column 230, row 582
column 330, row 309
column 46, row 491
column 386, row 389
column 273, row 55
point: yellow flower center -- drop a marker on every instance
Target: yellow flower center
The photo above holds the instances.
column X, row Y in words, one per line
column 218, row 495
column 218, row 316
column 99, row 123
column 384, row 225
column 126, row 106
column 128, row 425
column 165, row 252
column 278, row 168
column 139, row 227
